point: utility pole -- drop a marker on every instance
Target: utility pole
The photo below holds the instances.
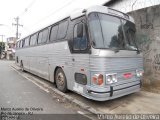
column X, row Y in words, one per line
column 17, row 26
column 2, row 37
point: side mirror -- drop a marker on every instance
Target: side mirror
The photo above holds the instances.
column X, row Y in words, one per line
column 80, row 30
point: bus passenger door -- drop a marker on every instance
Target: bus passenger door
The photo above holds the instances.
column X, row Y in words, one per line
column 80, row 56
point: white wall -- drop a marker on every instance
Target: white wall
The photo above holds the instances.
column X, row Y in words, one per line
column 131, row 5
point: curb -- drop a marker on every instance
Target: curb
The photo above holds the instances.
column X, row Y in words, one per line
column 67, row 97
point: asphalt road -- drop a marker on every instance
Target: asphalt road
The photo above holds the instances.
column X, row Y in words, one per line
column 20, row 95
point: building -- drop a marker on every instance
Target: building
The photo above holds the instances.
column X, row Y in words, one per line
column 10, row 48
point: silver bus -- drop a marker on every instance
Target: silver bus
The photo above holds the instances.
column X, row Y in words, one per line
column 92, row 52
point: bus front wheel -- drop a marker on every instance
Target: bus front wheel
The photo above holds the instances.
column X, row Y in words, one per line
column 61, row 81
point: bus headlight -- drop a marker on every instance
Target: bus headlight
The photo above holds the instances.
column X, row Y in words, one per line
column 111, row 78
column 139, row 73
column 97, row 79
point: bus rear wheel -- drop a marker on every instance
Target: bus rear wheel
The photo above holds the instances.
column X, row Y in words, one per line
column 61, row 81
column 22, row 67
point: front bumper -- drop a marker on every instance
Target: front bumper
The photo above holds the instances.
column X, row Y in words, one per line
column 113, row 91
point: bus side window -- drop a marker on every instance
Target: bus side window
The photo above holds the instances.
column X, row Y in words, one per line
column 54, row 31
column 44, row 35
column 23, row 42
column 62, row 30
column 80, row 38
column 33, row 40
column 17, row 44
column 40, row 37
column 26, row 42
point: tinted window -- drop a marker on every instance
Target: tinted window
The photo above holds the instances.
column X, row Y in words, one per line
column 80, row 39
column 111, row 32
column 22, row 43
column 54, row 31
column 62, row 30
column 26, row 42
column 129, row 29
column 95, row 29
column 43, row 36
column 40, row 37
column 33, row 40
column 113, row 37
column 17, row 45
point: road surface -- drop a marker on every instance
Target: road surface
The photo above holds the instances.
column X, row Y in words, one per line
column 20, row 95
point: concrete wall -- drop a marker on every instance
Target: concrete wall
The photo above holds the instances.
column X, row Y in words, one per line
column 147, row 22
column 131, row 5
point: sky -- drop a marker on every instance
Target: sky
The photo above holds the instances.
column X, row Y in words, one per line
column 34, row 14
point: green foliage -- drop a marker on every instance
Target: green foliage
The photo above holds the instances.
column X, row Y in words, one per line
column 2, row 46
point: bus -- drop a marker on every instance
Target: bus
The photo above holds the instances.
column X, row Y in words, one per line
column 92, row 52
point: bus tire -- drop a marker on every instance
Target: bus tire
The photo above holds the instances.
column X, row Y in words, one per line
column 22, row 67
column 61, row 81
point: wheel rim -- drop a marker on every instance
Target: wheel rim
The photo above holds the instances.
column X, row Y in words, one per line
column 60, row 79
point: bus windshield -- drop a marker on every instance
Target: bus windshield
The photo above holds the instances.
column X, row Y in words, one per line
column 111, row 32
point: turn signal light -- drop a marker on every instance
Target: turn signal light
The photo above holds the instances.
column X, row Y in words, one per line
column 100, row 79
column 94, row 79
column 97, row 79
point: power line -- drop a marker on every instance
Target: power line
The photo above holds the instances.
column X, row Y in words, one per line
column 30, row 5
column 134, row 4
column 17, row 18
column 59, row 9
column 26, row 9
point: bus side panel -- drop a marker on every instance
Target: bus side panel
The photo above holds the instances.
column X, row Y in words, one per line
column 33, row 60
column 23, row 57
column 42, row 61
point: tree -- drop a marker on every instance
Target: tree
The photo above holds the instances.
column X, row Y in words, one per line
column 2, row 46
